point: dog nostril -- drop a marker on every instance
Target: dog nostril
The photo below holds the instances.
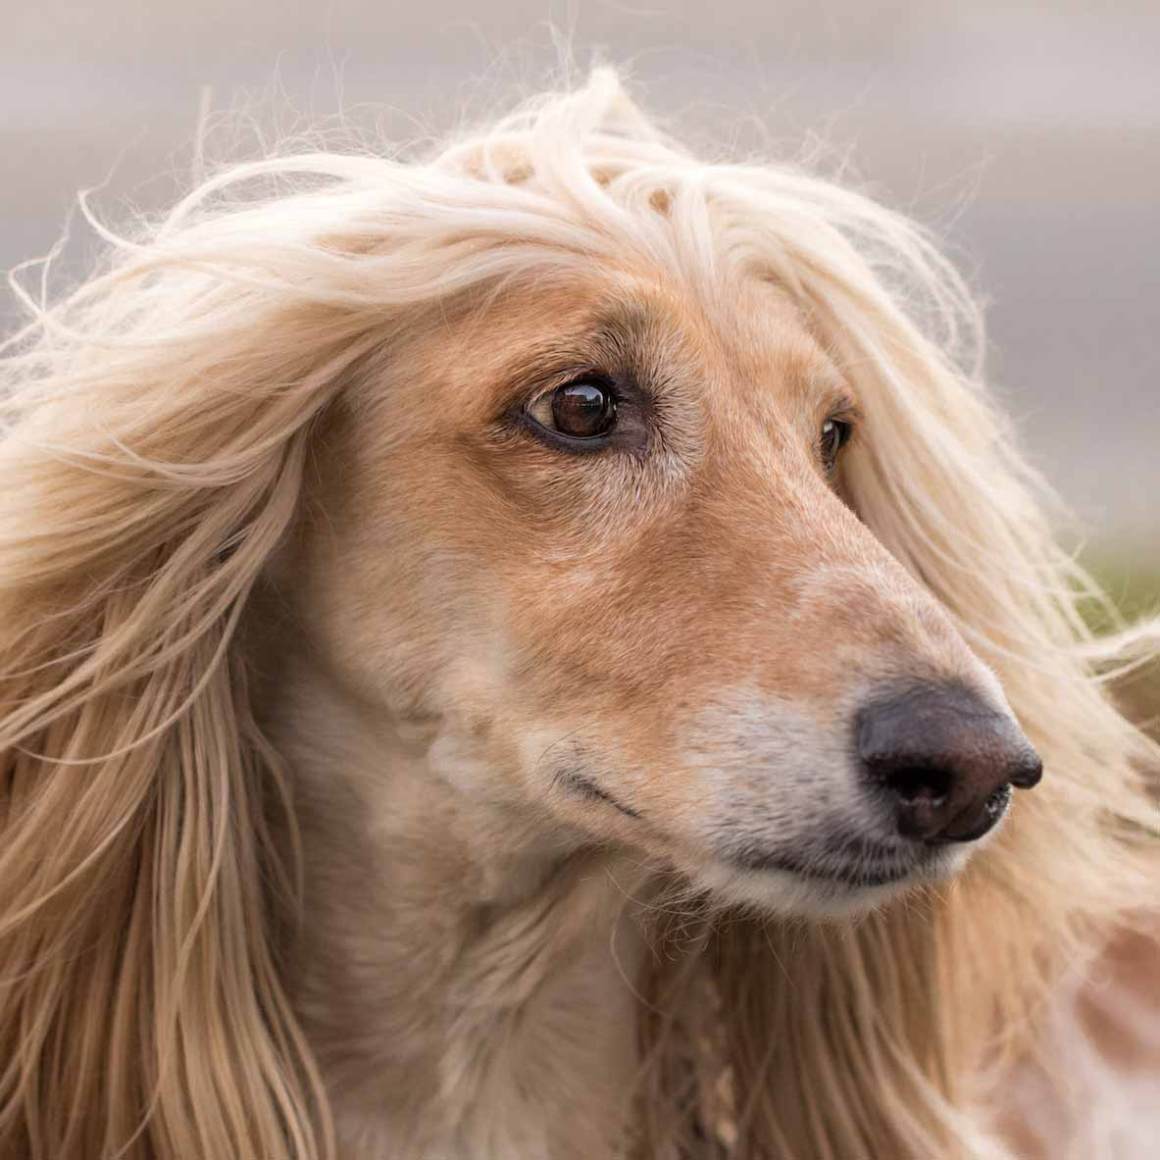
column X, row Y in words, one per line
column 936, row 804
column 914, row 784
column 944, row 761
column 921, row 796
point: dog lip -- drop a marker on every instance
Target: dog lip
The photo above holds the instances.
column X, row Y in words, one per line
column 850, row 873
column 578, row 783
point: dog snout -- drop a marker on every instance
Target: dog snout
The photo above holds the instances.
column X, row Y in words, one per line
column 944, row 760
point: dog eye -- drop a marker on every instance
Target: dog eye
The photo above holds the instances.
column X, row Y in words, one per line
column 585, row 409
column 835, row 435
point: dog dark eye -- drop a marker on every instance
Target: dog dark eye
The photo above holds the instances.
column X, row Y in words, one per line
column 835, row 436
column 585, row 409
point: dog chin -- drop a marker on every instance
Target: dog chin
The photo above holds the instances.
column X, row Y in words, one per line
column 790, row 893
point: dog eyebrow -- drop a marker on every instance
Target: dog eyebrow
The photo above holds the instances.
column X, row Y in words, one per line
column 844, row 404
column 614, row 339
column 623, row 329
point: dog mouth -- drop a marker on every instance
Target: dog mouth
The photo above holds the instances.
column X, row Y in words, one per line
column 853, row 863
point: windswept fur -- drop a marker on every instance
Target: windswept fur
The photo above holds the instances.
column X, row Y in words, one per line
column 160, row 429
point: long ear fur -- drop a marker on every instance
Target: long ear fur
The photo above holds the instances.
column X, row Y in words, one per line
column 154, row 454
column 870, row 1040
column 157, row 424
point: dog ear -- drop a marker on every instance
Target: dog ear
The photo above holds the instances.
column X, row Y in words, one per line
column 157, row 436
column 880, row 1023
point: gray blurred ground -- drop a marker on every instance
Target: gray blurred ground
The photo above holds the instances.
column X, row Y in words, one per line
column 1029, row 136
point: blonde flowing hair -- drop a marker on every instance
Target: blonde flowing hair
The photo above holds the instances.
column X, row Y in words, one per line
column 156, row 427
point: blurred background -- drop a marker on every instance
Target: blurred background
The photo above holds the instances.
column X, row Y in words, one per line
column 1028, row 136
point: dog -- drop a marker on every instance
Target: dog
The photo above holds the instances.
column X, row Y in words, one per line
column 546, row 649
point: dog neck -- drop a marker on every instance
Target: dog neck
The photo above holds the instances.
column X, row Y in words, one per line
column 464, row 978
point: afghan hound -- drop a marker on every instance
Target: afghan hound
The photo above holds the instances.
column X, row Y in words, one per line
column 544, row 650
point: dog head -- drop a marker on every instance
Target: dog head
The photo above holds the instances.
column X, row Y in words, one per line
column 598, row 533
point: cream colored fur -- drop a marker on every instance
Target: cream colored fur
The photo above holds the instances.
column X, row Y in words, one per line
column 368, row 769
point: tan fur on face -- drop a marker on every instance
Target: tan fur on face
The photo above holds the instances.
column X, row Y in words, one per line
column 369, row 773
column 576, row 622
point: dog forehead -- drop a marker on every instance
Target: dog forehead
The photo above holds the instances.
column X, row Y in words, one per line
column 743, row 333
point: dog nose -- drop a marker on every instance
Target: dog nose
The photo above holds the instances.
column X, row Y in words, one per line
column 945, row 760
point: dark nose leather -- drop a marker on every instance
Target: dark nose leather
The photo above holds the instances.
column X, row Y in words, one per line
column 944, row 760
